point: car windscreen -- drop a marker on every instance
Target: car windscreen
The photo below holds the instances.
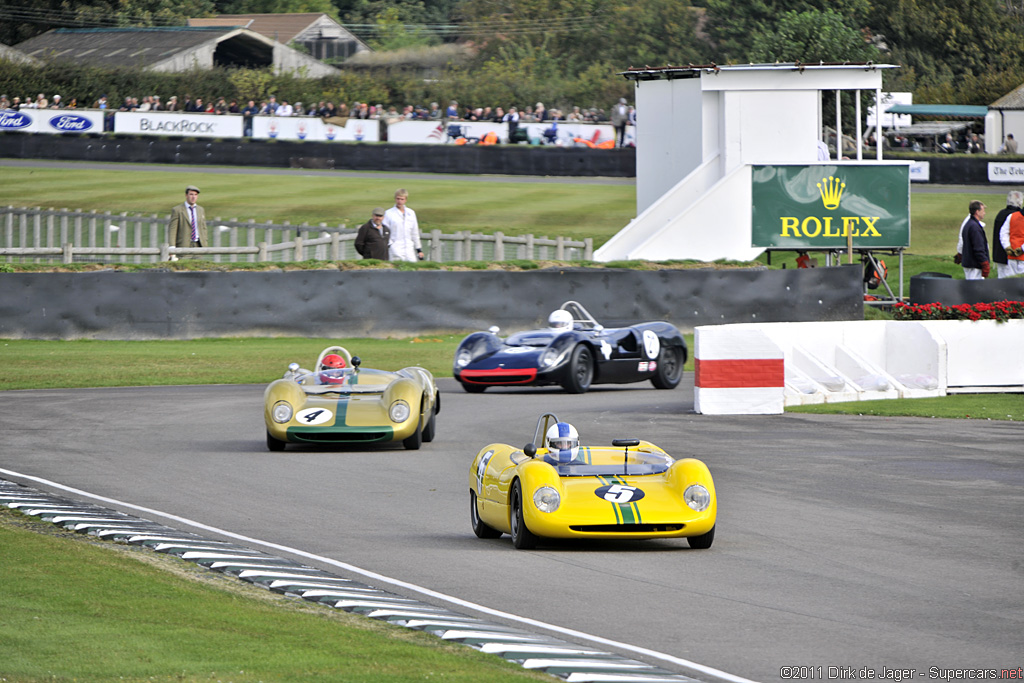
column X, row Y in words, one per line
column 594, row 462
column 532, row 338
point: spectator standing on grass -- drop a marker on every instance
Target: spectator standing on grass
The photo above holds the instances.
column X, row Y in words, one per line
column 620, row 116
column 1011, row 236
column 1009, row 145
column 1014, row 199
column 188, row 222
column 373, row 237
column 405, row 230
column 975, row 245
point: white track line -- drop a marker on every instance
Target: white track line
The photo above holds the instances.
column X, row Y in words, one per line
column 693, row 666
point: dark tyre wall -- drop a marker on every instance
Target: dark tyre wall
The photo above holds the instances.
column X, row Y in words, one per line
column 331, row 303
column 953, row 292
column 474, row 159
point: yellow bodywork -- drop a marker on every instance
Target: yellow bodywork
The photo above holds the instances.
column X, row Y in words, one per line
column 354, row 412
column 588, row 507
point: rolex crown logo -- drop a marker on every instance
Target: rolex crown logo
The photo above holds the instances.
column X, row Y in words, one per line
column 831, row 190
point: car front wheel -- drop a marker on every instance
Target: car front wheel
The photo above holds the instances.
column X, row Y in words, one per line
column 479, row 528
column 274, row 444
column 581, row 371
column 414, row 441
column 702, row 542
column 522, row 538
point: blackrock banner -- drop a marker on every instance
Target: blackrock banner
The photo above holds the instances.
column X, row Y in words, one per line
column 178, row 123
column 822, row 206
column 51, row 121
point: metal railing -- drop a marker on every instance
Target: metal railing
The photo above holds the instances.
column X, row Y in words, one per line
column 37, row 235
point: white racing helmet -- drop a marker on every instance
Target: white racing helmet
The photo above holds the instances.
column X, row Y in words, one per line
column 563, row 442
column 560, row 320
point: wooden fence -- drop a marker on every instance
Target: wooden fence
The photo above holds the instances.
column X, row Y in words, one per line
column 37, row 235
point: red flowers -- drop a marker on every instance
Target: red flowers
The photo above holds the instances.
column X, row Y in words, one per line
column 1000, row 311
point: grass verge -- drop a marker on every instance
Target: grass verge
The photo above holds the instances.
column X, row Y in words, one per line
column 74, row 608
column 1008, row 407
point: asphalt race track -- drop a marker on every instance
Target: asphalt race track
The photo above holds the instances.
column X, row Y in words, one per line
column 864, row 544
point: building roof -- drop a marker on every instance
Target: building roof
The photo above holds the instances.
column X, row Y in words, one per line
column 118, row 46
column 958, row 111
column 1011, row 100
column 283, row 28
column 16, row 56
column 648, row 73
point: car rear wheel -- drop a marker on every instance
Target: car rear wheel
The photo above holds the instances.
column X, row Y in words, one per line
column 479, row 528
column 522, row 538
column 702, row 542
column 581, row 371
column 413, row 442
column 274, row 444
column 670, row 368
column 474, row 388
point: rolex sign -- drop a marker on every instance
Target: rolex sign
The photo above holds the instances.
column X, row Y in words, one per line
column 822, row 206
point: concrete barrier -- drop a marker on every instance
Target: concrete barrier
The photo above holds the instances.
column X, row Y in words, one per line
column 831, row 362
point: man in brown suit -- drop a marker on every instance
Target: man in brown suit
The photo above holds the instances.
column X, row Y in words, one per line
column 188, row 222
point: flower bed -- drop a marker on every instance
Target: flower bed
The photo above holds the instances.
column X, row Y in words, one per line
column 1000, row 311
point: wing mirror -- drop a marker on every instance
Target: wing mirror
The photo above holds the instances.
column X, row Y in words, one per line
column 530, row 450
column 356, row 361
column 494, row 329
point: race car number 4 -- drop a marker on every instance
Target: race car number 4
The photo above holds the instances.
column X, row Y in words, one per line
column 314, row 416
column 619, row 493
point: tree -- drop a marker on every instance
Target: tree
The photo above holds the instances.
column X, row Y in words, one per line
column 812, row 36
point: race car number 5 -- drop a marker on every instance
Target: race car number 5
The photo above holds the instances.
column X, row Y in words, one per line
column 619, row 493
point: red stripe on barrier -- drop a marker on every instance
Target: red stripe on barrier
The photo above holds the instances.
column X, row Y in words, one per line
column 729, row 374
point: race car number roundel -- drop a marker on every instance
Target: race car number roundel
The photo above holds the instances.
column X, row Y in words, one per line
column 619, row 493
column 652, row 345
column 314, row 416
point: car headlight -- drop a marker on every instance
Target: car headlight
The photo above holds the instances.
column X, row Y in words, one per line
column 697, row 497
column 546, row 499
column 399, row 411
column 463, row 358
column 282, row 412
column 549, row 357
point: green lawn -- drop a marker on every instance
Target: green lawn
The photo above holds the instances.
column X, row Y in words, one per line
column 447, row 203
column 74, row 608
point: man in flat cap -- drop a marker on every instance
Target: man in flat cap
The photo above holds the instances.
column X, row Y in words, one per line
column 188, row 222
column 373, row 237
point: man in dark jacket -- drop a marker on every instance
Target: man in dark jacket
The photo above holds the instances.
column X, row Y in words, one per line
column 1014, row 199
column 975, row 252
column 374, row 237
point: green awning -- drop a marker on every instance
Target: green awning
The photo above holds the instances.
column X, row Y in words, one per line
column 964, row 111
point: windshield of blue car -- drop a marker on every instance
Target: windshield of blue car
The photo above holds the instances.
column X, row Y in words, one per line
column 592, row 462
column 531, row 338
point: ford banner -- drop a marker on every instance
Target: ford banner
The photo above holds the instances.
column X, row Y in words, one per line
column 52, row 120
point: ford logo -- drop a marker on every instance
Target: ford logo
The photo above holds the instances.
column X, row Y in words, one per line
column 13, row 120
column 71, row 123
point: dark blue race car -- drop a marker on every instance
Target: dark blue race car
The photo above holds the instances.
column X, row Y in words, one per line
column 575, row 351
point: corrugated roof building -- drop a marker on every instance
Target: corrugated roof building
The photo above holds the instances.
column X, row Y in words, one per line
column 322, row 36
column 172, row 49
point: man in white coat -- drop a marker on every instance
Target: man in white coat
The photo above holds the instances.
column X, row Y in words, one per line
column 405, row 230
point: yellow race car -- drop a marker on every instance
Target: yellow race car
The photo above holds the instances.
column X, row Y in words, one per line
column 632, row 489
column 342, row 403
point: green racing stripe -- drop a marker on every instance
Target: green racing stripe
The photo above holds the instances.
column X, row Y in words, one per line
column 625, row 513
